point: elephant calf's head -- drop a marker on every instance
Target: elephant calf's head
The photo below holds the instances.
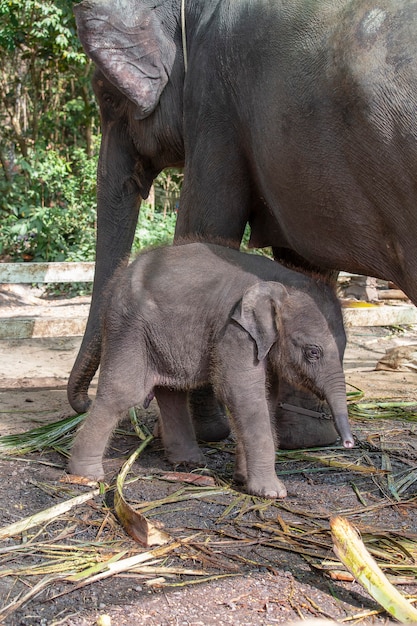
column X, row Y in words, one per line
column 299, row 340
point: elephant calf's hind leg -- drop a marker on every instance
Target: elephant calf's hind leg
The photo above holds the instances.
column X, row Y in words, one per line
column 120, row 387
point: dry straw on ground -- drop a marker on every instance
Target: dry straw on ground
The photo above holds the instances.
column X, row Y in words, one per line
column 46, row 552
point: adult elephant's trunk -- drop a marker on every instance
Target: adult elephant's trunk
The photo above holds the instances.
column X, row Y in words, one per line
column 84, row 368
column 118, row 201
column 114, row 242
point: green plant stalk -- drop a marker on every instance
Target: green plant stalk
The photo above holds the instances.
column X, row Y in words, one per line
column 385, row 405
column 134, row 523
column 350, row 549
column 113, row 566
column 46, row 515
column 141, row 431
column 53, row 435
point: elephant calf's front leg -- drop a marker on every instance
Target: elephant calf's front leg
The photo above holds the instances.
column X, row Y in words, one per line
column 243, row 391
column 256, row 455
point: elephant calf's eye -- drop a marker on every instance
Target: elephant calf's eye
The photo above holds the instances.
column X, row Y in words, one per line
column 313, row 353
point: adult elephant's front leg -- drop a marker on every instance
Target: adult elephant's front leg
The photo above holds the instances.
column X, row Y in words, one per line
column 219, row 224
column 209, row 415
column 302, row 419
column 178, row 436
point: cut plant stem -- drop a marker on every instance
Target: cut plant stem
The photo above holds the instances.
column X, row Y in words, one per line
column 134, row 523
column 352, row 552
column 45, row 516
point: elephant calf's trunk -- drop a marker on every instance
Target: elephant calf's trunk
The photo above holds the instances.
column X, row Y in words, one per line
column 338, row 407
column 343, row 428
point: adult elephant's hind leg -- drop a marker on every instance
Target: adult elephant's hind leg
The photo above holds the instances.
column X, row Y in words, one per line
column 302, row 419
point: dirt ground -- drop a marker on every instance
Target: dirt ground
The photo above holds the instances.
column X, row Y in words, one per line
column 267, row 578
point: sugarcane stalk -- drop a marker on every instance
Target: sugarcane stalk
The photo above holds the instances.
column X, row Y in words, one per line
column 350, row 549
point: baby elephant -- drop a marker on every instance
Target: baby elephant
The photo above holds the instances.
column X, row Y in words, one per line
column 183, row 316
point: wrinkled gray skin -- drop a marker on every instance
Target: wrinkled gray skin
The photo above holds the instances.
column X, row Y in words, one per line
column 297, row 117
column 183, row 316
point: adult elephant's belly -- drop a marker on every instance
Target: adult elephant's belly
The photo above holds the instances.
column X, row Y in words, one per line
column 339, row 216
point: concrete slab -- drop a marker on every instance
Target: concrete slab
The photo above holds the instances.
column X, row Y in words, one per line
column 380, row 315
column 70, row 320
column 26, row 328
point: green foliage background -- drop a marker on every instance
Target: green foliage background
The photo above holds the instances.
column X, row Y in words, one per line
column 49, row 140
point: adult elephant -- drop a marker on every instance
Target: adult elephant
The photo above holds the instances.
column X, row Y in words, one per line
column 297, row 117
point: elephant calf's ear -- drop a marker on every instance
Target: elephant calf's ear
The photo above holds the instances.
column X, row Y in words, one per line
column 256, row 313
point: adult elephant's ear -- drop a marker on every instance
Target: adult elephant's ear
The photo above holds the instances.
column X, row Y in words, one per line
column 127, row 42
column 256, row 313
